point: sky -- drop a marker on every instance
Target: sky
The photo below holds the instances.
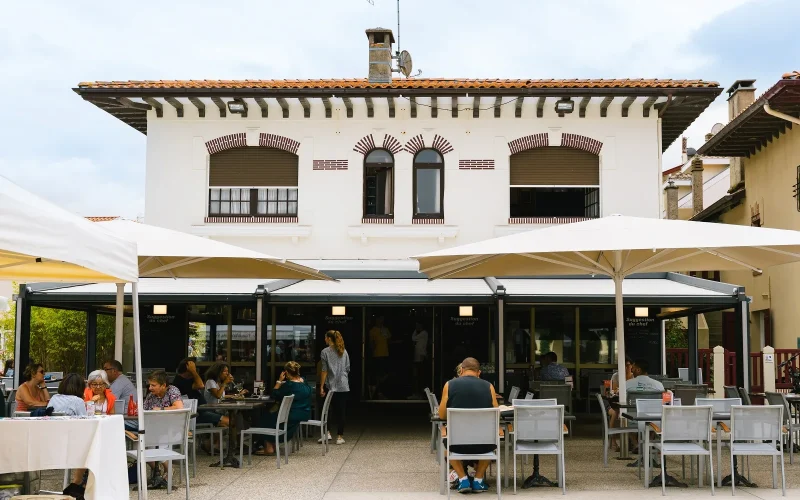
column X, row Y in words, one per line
column 65, row 149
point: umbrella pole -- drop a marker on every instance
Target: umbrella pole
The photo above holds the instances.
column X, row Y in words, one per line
column 120, row 318
column 618, row 279
column 137, row 350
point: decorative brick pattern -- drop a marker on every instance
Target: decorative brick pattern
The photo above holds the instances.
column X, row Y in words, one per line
column 226, row 142
column 529, row 142
column 330, row 164
column 581, row 142
column 546, row 220
column 377, row 220
column 365, row 145
column 249, row 220
column 441, row 144
column 476, row 164
column 427, row 221
column 415, row 144
column 279, row 142
column 392, row 144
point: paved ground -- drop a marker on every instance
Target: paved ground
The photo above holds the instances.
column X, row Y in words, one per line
column 388, row 458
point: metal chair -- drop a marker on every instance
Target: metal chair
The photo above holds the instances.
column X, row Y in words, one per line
column 611, row 431
column 778, row 399
column 192, row 439
column 165, row 431
column 322, row 423
column 745, row 395
column 594, row 383
column 200, row 429
column 689, row 392
column 731, row 391
column 719, row 406
column 277, row 432
column 757, row 430
column 685, row 430
column 473, row 426
column 539, row 431
column 651, row 407
column 562, row 393
column 528, row 395
column 513, row 393
column 433, row 403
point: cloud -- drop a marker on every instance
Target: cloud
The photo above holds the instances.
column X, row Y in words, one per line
column 50, row 130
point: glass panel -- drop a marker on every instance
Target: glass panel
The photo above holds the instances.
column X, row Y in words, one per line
column 379, row 156
column 262, row 194
column 235, row 208
column 214, row 194
column 214, row 209
column 282, row 207
column 225, row 194
column 293, row 207
column 235, row 194
column 598, row 327
column 293, row 194
column 555, row 331
column 243, row 340
column 245, row 195
column 518, row 335
column 245, row 207
column 272, row 194
column 225, row 207
column 202, row 325
column 428, row 156
column 428, row 191
column 282, row 194
column 262, row 207
column 272, row 207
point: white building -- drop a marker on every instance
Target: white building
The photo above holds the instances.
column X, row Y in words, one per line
column 379, row 169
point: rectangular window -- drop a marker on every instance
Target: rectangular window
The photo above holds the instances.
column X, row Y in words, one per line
column 530, row 201
column 429, row 201
column 248, row 202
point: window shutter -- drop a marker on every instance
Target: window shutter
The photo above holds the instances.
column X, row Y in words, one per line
column 555, row 166
column 253, row 166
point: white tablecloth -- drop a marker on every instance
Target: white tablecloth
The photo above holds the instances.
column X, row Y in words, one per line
column 95, row 443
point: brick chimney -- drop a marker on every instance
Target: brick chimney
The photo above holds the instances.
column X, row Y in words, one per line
column 697, row 185
column 380, row 55
column 741, row 95
column 672, row 199
column 684, row 158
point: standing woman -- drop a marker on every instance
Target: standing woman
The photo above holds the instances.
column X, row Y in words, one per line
column 335, row 373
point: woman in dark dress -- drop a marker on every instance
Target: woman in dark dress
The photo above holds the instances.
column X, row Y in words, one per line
column 290, row 382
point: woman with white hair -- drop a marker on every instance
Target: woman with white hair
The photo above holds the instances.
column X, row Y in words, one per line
column 100, row 393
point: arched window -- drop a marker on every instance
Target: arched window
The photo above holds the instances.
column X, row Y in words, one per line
column 428, row 184
column 379, row 184
column 252, row 181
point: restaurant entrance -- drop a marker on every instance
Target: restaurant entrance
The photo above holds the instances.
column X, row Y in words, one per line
column 395, row 351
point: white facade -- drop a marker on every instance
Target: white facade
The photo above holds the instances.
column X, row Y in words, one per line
column 476, row 201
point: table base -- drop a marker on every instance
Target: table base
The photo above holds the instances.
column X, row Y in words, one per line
column 229, row 461
column 740, row 480
column 535, row 480
column 670, row 481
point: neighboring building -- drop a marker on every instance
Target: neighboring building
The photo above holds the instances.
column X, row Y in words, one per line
column 715, row 178
column 354, row 176
column 763, row 141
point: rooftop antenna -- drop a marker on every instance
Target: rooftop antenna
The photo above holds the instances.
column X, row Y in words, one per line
column 403, row 57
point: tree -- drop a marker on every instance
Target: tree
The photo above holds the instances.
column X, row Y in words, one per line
column 675, row 334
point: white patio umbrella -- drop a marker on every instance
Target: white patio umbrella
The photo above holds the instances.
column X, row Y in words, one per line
column 41, row 242
column 164, row 253
column 618, row 246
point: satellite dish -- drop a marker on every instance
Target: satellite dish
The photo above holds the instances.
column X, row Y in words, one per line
column 404, row 63
column 716, row 128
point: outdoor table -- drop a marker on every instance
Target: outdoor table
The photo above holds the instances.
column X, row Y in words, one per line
column 95, row 443
column 233, row 407
column 656, row 417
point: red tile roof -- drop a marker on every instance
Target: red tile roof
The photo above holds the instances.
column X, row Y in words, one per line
column 103, row 218
column 410, row 83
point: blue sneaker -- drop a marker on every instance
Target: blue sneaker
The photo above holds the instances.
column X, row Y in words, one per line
column 464, row 486
column 479, row 486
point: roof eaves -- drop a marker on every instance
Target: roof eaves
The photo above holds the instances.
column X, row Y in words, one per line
column 721, row 206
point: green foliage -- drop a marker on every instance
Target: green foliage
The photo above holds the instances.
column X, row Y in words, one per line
column 676, row 335
column 7, row 328
column 106, row 329
column 58, row 339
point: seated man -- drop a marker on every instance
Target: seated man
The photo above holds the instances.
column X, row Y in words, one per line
column 189, row 383
column 612, row 413
column 469, row 391
column 641, row 381
column 552, row 370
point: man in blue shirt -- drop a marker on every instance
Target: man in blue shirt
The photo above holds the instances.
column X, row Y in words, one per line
column 552, row 370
